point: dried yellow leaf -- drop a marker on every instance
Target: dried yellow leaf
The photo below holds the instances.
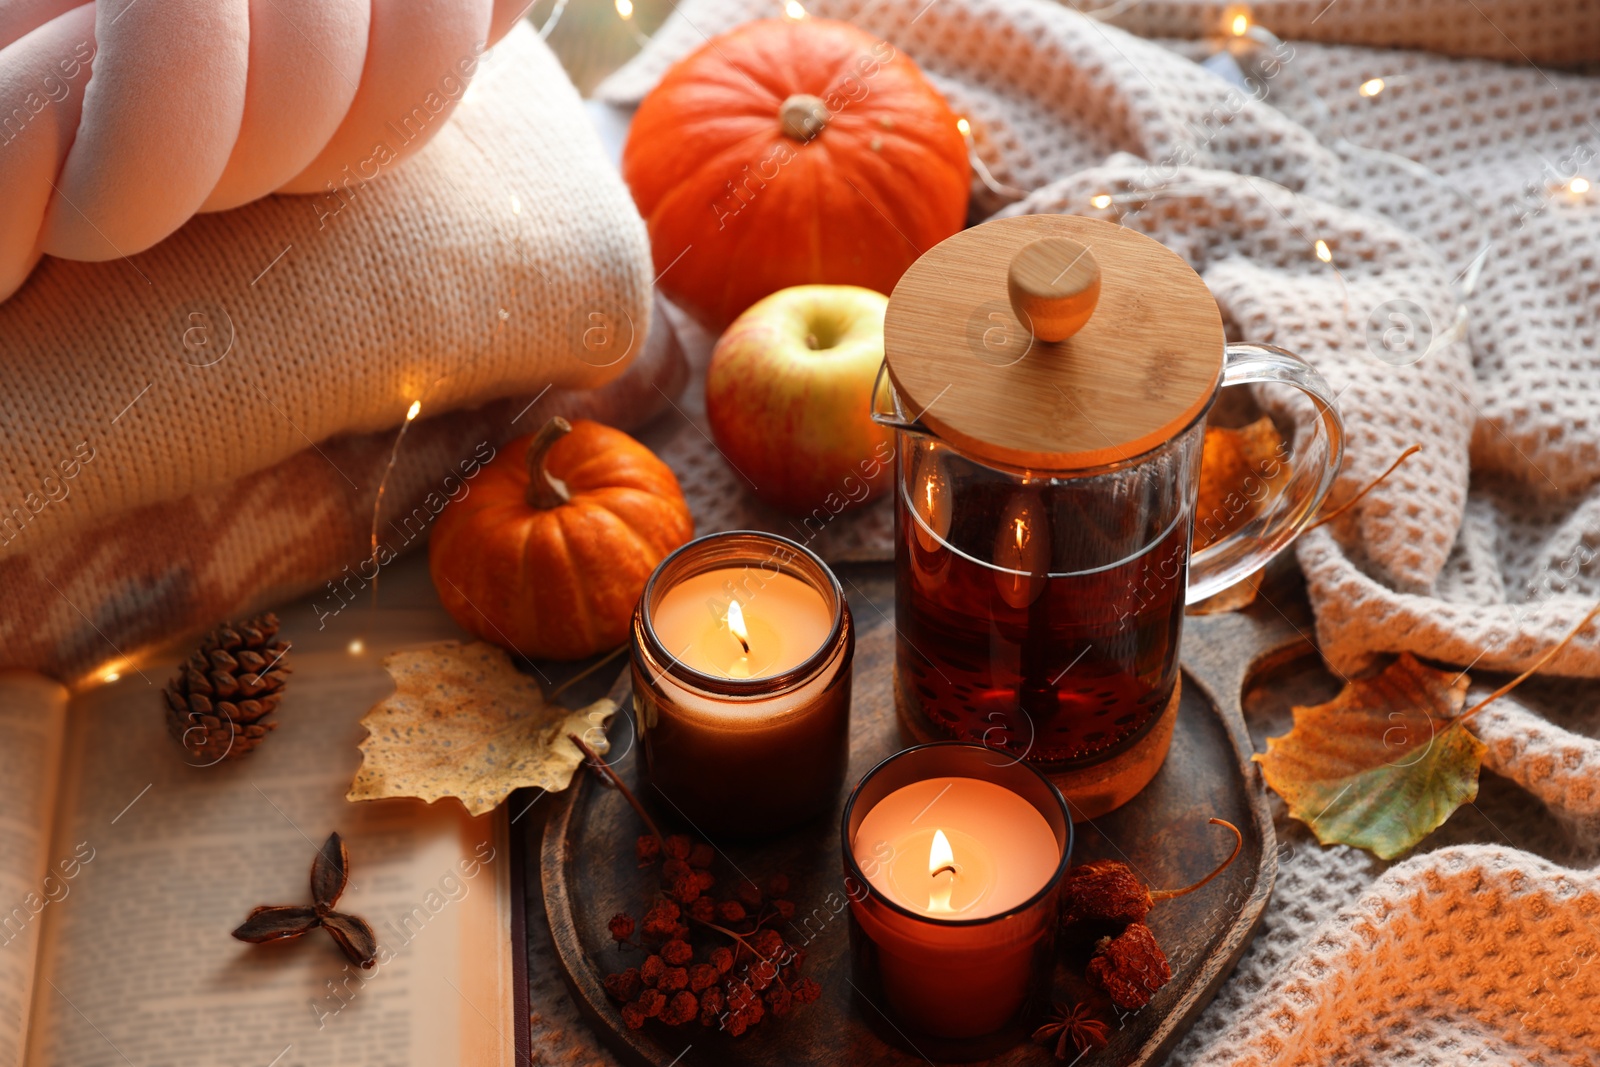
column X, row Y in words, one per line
column 464, row 722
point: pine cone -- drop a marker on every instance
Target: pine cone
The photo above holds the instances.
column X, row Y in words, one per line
column 216, row 702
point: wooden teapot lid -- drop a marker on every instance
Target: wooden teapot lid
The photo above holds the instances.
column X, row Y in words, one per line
column 1053, row 342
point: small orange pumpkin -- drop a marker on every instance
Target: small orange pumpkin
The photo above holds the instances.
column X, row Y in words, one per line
column 547, row 554
column 791, row 153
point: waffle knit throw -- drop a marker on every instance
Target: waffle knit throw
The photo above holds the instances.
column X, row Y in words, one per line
column 203, row 428
column 1348, row 226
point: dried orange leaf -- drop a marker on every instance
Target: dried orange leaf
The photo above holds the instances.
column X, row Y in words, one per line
column 1381, row 765
column 464, row 722
column 1240, row 472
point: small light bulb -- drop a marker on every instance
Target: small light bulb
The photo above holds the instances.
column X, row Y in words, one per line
column 112, row 675
column 356, row 647
column 625, row 8
column 516, row 205
column 964, row 127
column 411, row 412
column 1100, row 200
column 1371, row 87
column 1323, row 253
column 1241, row 25
column 793, row 9
column 1579, row 185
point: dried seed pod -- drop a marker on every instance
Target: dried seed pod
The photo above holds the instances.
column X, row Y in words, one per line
column 354, row 936
column 1103, row 896
column 277, row 923
column 329, row 873
column 1130, row 967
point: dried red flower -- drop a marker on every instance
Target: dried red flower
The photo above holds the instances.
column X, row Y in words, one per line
column 621, row 926
column 712, row 1001
column 652, row 969
column 1103, row 896
column 648, row 849
column 683, row 1007
column 1130, row 967
column 624, row 986
column 651, row 1001
column 735, row 984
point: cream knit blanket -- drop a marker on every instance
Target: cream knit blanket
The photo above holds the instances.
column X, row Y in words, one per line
column 1480, row 551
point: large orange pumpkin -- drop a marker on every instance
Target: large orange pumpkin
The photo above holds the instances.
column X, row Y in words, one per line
column 548, row 552
column 785, row 153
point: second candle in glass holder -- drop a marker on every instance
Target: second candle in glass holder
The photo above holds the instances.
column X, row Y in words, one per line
column 953, row 860
column 742, row 646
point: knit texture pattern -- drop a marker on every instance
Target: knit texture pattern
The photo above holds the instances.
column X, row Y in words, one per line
column 1346, row 227
column 204, row 427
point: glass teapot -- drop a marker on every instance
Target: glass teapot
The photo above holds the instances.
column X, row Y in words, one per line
column 1048, row 379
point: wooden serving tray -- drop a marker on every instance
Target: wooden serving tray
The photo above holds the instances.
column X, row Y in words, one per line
column 589, row 872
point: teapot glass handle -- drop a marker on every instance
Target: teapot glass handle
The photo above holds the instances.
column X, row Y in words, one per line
column 1294, row 488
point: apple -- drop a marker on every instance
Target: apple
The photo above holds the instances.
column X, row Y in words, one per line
column 789, row 396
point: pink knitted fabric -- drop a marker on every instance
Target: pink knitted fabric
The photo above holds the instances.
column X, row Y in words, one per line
column 203, row 105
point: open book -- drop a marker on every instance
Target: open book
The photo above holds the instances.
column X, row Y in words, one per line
column 124, row 868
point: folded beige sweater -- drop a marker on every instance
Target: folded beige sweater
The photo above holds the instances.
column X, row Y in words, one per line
column 469, row 272
column 201, row 427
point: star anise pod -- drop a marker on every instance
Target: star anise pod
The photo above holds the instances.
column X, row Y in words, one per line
column 1130, row 967
column 330, row 873
column 1103, row 896
column 1076, row 1024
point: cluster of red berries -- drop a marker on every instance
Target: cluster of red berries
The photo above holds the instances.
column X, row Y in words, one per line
column 751, row 973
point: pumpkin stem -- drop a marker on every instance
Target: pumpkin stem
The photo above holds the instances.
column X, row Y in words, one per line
column 545, row 490
column 803, row 116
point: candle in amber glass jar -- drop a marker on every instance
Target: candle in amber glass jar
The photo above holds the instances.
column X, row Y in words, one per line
column 953, row 861
column 742, row 645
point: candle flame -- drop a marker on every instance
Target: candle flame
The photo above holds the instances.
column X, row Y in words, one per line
column 735, row 620
column 1240, row 25
column 941, row 860
column 1022, row 532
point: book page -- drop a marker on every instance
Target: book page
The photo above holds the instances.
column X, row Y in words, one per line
column 138, row 962
column 32, row 725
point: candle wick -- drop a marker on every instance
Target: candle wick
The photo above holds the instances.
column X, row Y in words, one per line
column 951, row 867
column 743, row 644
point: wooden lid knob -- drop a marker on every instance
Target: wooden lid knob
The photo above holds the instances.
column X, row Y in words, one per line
column 1054, row 284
